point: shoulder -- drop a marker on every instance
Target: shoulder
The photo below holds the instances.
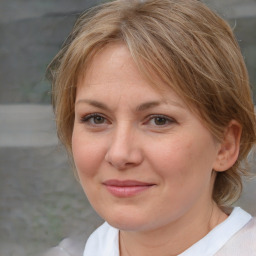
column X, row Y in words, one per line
column 67, row 247
column 247, row 234
column 103, row 232
column 243, row 242
column 72, row 246
column 103, row 241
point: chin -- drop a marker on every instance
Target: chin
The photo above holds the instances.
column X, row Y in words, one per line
column 128, row 225
column 126, row 220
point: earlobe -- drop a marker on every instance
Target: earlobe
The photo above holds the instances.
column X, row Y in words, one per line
column 229, row 147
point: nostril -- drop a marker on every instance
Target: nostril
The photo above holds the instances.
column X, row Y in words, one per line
column 123, row 159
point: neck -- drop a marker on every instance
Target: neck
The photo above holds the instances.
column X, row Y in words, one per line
column 174, row 238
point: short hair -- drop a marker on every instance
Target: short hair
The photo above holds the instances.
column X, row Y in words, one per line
column 184, row 43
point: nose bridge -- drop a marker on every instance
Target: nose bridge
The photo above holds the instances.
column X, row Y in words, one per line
column 124, row 149
column 122, row 134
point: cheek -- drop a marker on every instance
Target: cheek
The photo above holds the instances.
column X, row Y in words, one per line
column 169, row 155
column 87, row 154
column 183, row 159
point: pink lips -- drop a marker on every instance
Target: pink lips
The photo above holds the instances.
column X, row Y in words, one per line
column 126, row 188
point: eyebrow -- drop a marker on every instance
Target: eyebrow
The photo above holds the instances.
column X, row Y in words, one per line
column 94, row 103
column 140, row 108
column 147, row 105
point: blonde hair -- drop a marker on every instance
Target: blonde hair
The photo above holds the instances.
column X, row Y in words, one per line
column 184, row 43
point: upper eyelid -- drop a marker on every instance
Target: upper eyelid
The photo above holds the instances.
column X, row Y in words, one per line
column 162, row 116
column 86, row 117
column 147, row 118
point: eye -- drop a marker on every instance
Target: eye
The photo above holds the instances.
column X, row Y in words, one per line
column 160, row 120
column 94, row 119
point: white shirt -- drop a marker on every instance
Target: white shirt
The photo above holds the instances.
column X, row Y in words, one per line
column 236, row 236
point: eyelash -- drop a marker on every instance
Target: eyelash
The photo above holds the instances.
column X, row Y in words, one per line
column 86, row 118
column 167, row 120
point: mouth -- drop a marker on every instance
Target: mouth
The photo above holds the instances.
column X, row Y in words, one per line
column 126, row 188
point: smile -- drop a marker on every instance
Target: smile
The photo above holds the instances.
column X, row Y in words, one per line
column 126, row 188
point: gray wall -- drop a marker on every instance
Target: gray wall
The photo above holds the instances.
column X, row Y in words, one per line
column 40, row 200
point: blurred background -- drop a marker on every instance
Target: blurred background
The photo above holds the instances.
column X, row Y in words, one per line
column 40, row 201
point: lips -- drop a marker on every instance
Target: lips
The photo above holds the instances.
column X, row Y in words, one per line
column 126, row 188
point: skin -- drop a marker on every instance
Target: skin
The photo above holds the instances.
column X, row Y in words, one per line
column 126, row 130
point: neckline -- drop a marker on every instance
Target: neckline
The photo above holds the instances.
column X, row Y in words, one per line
column 218, row 237
column 106, row 238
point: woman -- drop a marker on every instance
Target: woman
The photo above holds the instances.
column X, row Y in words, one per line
column 152, row 102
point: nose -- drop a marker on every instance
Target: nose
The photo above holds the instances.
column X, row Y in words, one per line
column 125, row 150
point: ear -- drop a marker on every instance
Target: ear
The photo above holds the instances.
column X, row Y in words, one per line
column 229, row 147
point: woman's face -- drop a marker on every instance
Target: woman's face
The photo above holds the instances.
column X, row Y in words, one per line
column 143, row 158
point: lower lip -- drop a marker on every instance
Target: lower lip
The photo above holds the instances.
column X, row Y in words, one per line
column 127, row 191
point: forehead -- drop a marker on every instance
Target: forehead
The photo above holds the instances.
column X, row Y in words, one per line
column 114, row 65
column 112, row 77
column 108, row 63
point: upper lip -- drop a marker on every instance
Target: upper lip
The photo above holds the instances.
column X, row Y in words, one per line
column 126, row 183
